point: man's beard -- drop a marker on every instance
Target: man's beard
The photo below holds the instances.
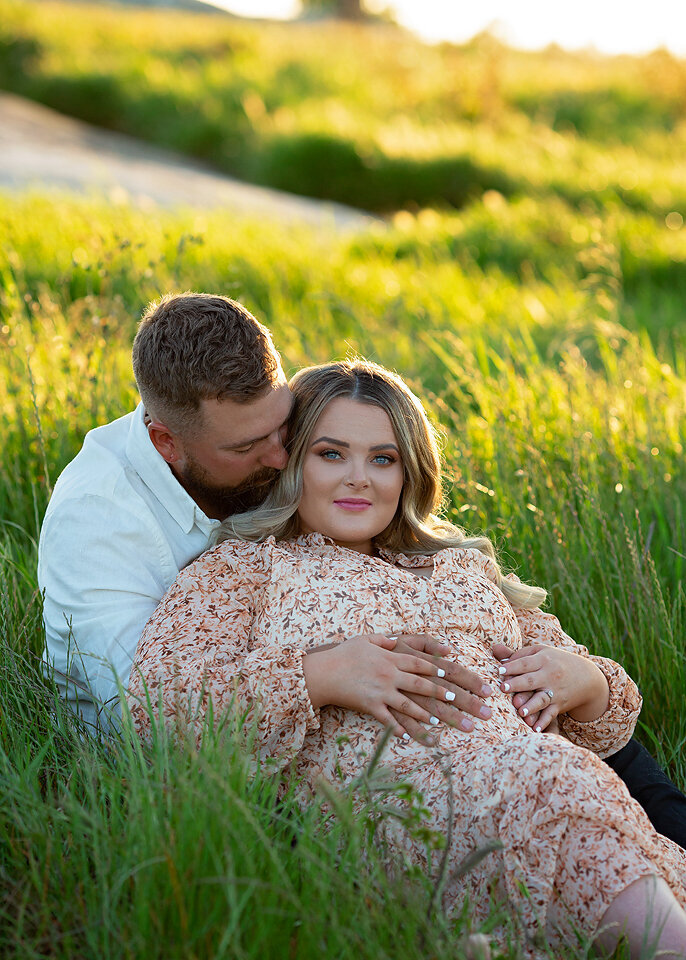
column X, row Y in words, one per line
column 221, row 502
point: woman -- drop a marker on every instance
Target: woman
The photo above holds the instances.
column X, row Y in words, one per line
column 348, row 544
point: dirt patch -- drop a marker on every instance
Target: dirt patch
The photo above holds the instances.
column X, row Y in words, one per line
column 41, row 149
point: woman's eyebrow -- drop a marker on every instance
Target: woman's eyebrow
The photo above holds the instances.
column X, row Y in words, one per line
column 343, row 443
column 339, row 443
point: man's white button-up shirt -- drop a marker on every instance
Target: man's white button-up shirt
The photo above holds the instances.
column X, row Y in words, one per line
column 118, row 529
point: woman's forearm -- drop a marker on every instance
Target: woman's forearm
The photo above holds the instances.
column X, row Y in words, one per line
column 596, row 695
column 318, row 675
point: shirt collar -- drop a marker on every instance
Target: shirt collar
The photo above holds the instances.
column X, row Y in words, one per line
column 158, row 477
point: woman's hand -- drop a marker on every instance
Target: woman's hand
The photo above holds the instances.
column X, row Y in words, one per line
column 402, row 681
column 547, row 681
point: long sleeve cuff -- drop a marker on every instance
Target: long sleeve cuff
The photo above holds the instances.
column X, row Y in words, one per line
column 613, row 729
column 275, row 681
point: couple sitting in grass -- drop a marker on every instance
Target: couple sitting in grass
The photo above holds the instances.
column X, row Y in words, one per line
column 335, row 605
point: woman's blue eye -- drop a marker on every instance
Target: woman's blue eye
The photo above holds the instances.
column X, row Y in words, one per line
column 382, row 459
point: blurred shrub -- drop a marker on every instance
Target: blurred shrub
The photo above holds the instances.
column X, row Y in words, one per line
column 95, row 98
column 613, row 113
column 18, row 55
column 335, row 169
column 197, row 129
column 314, row 164
column 453, row 180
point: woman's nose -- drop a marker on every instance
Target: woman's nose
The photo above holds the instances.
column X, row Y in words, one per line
column 357, row 476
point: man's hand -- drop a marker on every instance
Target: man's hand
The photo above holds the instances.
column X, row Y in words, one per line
column 546, row 681
column 469, row 689
column 402, row 681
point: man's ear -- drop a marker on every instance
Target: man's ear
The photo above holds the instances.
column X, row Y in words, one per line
column 164, row 441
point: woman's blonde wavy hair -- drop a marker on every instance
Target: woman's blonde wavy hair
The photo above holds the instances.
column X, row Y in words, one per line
column 416, row 528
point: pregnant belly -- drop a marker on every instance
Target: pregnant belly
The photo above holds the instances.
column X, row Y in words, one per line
column 347, row 741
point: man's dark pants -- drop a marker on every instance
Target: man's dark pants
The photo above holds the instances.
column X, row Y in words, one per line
column 648, row 783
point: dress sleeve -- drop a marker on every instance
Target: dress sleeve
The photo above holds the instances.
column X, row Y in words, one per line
column 610, row 732
column 196, row 658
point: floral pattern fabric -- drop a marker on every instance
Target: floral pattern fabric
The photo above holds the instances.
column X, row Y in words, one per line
column 234, row 629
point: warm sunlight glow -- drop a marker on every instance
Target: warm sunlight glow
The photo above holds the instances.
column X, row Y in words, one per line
column 609, row 26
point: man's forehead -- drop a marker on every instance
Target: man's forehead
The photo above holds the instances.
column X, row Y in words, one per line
column 242, row 423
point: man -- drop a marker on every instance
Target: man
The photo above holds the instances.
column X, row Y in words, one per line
column 144, row 495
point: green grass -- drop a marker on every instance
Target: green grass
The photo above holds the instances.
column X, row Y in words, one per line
column 549, row 345
column 365, row 115
column 170, row 853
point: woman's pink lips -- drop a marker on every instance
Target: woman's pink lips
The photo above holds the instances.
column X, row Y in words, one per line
column 353, row 504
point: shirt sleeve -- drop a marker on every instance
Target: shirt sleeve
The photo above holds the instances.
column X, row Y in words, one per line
column 197, row 658
column 613, row 729
column 103, row 571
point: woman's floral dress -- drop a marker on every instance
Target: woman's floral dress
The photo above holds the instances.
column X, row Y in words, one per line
column 235, row 626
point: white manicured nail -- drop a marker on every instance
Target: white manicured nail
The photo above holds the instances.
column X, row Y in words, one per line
column 506, row 687
column 393, row 638
column 502, row 670
column 538, row 729
column 449, row 695
column 406, row 737
column 440, row 672
column 524, row 712
column 433, row 721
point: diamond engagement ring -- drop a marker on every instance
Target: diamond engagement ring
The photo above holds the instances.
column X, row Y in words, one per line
column 550, row 693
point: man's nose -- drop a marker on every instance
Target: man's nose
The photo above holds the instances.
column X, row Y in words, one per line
column 275, row 455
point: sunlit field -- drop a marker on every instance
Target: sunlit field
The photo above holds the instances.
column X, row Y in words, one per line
column 363, row 115
column 545, row 328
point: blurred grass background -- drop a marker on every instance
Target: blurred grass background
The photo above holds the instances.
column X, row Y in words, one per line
column 529, row 284
column 362, row 114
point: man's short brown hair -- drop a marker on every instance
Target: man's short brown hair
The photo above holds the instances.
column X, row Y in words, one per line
column 196, row 346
